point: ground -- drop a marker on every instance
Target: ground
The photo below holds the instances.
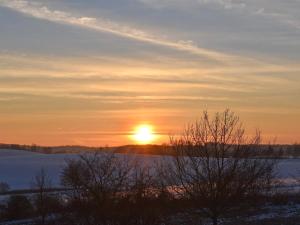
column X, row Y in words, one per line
column 18, row 168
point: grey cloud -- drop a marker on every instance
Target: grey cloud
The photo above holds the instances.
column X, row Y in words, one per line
column 40, row 11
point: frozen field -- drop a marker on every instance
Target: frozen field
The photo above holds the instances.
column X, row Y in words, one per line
column 17, row 168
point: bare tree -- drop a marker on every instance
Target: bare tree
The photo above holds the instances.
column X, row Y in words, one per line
column 113, row 189
column 144, row 202
column 96, row 180
column 42, row 183
column 214, row 164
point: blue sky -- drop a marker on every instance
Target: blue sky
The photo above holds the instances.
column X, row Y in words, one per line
column 85, row 68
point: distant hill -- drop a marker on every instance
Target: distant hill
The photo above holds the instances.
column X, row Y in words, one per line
column 286, row 151
column 76, row 149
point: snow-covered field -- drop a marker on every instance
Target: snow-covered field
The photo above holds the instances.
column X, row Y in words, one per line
column 17, row 168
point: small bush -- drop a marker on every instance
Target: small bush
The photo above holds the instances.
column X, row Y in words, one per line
column 4, row 187
column 280, row 199
column 18, row 207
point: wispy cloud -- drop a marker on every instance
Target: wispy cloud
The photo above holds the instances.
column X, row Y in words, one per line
column 281, row 17
column 226, row 4
column 38, row 10
column 266, row 8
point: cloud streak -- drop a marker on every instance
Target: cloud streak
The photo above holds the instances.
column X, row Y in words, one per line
column 226, row 4
column 40, row 11
column 255, row 7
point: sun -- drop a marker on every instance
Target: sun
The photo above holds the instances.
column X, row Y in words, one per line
column 144, row 134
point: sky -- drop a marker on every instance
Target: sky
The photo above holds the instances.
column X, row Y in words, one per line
column 88, row 72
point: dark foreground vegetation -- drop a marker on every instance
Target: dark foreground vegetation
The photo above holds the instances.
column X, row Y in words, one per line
column 210, row 177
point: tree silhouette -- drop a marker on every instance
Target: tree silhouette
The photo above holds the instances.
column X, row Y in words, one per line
column 214, row 167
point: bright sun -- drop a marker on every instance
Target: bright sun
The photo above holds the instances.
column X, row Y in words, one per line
column 143, row 134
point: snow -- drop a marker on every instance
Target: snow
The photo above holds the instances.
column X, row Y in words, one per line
column 273, row 212
column 18, row 168
column 289, row 168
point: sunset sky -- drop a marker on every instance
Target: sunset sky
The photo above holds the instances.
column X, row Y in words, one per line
column 88, row 72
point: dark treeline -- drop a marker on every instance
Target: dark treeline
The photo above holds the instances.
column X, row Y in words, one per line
column 282, row 151
column 51, row 149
